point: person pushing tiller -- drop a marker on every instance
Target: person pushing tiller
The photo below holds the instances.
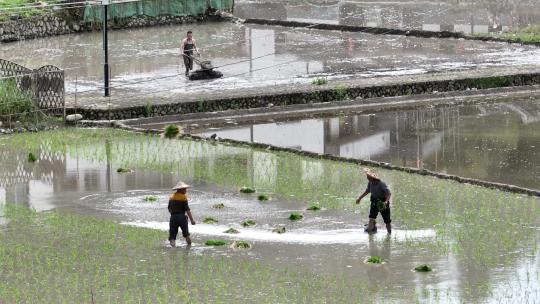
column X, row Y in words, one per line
column 186, row 49
column 380, row 201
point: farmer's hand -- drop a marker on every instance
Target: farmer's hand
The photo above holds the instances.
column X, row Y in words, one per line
column 192, row 222
column 358, row 201
column 387, row 204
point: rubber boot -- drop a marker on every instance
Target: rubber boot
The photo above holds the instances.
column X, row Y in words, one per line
column 389, row 228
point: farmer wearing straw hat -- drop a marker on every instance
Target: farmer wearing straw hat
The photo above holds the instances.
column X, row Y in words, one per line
column 178, row 207
column 380, row 201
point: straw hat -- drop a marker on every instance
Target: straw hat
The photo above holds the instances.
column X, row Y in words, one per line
column 371, row 173
column 181, row 185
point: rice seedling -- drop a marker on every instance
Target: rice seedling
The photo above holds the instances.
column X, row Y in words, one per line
column 246, row 189
column 319, row 81
column 263, row 197
column 215, row 243
column 374, row 260
column 314, row 207
column 248, row 223
column 218, row 206
column 171, row 131
column 423, row 268
column 124, row 170
column 31, row 157
column 210, row 220
column 295, row 216
column 241, row 245
column 231, row 231
column 279, row 230
column 150, row 198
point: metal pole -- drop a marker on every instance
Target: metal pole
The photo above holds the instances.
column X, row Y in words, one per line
column 106, row 49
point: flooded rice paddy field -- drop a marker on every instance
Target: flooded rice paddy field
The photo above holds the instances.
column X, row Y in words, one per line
column 498, row 142
column 146, row 61
column 481, row 243
column 469, row 17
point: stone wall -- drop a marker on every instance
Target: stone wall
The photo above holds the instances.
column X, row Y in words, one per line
column 314, row 95
column 384, row 31
column 53, row 24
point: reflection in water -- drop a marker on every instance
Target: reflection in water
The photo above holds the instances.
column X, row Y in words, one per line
column 468, row 17
column 497, row 142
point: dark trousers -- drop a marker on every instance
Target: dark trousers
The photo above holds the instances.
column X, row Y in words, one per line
column 188, row 62
column 375, row 209
column 178, row 220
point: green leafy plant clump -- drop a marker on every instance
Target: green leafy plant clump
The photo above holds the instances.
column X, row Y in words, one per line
column 210, row 220
column 13, row 99
column 215, row 243
column 32, row 158
column 218, row 206
column 263, row 197
column 124, row 170
column 147, row 110
column 374, row 260
column 314, row 207
column 150, row 198
column 423, row 268
column 248, row 223
column 295, row 216
column 340, row 92
column 279, row 230
column 171, row 131
column 231, row 231
column 319, row 81
column 241, row 245
column 246, row 189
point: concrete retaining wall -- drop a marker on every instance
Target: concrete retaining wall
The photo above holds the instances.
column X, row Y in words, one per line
column 314, row 95
column 384, row 31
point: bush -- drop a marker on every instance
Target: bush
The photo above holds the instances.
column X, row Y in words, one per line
column 209, row 220
column 279, row 230
column 31, row 157
column 263, row 197
column 374, row 260
column 150, row 198
column 231, row 231
column 423, row 268
column 219, row 206
column 248, row 223
column 314, row 207
column 241, row 245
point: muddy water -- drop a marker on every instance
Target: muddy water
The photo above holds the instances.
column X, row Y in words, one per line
column 470, row 17
column 146, row 61
column 327, row 241
column 495, row 142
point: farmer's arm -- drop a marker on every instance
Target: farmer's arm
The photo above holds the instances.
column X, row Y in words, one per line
column 182, row 46
column 195, row 47
column 188, row 211
column 190, row 217
column 169, row 207
column 363, row 195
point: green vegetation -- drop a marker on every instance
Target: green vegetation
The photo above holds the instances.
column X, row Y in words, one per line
column 171, row 131
column 248, row 223
column 528, row 34
column 241, row 245
column 14, row 100
column 218, row 206
column 209, row 220
column 489, row 82
column 423, row 268
column 215, row 243
column 124, row 170
column 340, row 92
column 374, row 260
column 246, row 189
column 314, row 207
column 32, row 158
column 295, row 216
column 279, row 230
column 263, row 197
column 150, row 198
column 319, row 81
column 231, row 231
column 419, row 202
column 147, row 110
